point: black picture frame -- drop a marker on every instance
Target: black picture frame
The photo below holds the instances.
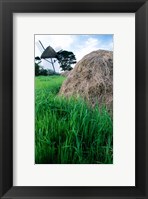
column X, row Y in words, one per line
column 7, row 8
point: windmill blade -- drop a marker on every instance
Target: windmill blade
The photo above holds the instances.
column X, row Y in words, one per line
column 41, row 45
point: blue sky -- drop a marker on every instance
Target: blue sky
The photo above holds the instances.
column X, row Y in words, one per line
column 80, row 45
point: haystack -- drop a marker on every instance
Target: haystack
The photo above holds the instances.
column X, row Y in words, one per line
column 92, row 79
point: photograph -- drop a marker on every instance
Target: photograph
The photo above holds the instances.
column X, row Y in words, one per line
column 74, row 116
column 73, row 86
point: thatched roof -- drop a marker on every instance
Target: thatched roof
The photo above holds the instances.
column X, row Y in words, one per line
column 49, row 52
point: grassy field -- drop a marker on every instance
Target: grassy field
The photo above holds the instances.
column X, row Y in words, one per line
column 68, row 131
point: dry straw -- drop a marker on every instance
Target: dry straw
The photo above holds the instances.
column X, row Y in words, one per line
column 92, row 79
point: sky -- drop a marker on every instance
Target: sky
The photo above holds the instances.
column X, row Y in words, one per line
column 80, row 45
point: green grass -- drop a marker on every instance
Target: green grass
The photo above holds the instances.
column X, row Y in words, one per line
column 68, row 131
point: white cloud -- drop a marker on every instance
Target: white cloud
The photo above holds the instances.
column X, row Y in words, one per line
column 88, row 46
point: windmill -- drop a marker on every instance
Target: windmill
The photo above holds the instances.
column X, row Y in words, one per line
column 48, row 53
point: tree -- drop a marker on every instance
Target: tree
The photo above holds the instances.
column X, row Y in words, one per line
column 37, row 69
column 66, row 59
column 37, row 66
